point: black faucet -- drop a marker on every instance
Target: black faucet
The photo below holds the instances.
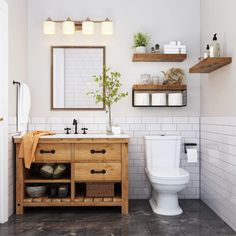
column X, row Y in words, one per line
column 75, row 123
column 67, row 130
column 84, row 130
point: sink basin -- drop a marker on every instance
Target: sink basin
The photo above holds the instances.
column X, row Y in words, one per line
column 86, row 136
column 73, row 136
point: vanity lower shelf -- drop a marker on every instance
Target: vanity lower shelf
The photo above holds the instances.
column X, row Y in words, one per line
column 41, row 181
column 78, row 201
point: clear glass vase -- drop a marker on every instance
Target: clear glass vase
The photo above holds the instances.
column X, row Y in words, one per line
column 109, row 128
column 109, row 124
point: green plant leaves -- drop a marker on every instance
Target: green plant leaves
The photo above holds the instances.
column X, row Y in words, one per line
column 109, row 86
column 141, row 39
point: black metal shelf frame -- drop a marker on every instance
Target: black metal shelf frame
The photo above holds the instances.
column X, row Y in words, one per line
column 161, row 91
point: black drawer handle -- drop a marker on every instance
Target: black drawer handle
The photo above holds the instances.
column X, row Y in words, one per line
column 103, row 151
column 47, row 151
column 98, row 172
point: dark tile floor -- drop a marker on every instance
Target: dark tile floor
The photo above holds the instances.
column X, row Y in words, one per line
column 197, row 219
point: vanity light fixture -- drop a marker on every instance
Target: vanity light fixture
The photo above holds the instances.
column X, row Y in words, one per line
column 87, row 27
column 49, row 27
column 68, row 27
column 107, row 27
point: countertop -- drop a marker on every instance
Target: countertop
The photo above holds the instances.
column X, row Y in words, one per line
column 76, row 137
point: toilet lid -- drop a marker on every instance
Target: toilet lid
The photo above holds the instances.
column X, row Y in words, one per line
column 169, row 173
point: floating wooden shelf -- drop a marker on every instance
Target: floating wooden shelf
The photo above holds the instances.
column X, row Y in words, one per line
column 35, row 180
column 153, row 87
column 210, row 64
column 154, row 57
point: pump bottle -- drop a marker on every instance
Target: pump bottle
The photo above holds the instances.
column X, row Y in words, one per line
column 215, row 47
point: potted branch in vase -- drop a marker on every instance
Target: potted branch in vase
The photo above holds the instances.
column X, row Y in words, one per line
column 108, row 92
column 141, row 41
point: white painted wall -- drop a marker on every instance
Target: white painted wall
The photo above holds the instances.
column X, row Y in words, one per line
column 218, row 110
column 17, row 48
column 165, row 20
column 218, row 88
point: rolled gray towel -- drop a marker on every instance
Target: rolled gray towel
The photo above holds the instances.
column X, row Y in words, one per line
column 47, row 171
column 59, row 171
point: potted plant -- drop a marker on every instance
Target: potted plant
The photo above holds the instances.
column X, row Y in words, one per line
column 174, row 76
column 109, row 91
column 141, row 41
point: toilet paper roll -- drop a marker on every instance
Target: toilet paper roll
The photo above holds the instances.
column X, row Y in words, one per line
column 175, row 99
column 159, row 99
column 192, row 156
column 141, row 99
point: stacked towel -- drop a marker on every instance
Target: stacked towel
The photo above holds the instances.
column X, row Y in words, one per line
column 175, row 47
column 24, row 105
column 29, row 144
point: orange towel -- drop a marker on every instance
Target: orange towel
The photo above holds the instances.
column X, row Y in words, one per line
column 29, row 144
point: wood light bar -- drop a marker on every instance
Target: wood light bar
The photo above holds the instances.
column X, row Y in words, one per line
column 154, row 57
column 210, row 64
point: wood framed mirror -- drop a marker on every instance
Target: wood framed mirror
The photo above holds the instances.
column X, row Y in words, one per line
column 72, row 71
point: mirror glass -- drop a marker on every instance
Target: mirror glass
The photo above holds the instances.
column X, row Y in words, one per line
column 73, row 69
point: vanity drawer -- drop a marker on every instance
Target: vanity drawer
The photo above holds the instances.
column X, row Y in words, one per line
column 53, row 152
column 97, row 172
column 98, row 152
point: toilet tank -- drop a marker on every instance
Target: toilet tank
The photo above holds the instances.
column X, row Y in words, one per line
column 162, row 151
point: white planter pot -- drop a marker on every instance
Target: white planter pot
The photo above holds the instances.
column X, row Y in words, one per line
column 140, row 49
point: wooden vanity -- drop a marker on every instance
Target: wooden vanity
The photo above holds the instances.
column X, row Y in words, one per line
column 90, row 158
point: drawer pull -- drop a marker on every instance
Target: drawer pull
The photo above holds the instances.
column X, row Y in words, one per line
column 103, row 151
column 47, row 151
column 98, row 172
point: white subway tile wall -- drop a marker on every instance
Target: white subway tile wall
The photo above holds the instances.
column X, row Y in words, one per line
column 78, row 76
column 137, row 127
column 218, row 166
column 218, row 155
column 11, row 165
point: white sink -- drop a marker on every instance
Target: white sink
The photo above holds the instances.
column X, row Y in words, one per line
column 73, row 136
column 86, row 136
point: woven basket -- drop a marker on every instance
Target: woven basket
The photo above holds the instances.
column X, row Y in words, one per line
column 100, row 189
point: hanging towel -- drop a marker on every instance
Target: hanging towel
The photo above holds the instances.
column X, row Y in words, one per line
column 29, row 144
column 24, row 104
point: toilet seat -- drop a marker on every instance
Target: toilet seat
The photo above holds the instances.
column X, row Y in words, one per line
column 168, row 175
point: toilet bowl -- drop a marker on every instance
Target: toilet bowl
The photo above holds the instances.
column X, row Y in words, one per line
column 164, row 173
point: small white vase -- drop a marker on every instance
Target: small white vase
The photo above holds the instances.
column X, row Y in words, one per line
column 140, row 49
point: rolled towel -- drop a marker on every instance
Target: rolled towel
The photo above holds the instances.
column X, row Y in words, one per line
column 24, row 105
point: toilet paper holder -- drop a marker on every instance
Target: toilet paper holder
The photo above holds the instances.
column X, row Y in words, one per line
column 188, row 145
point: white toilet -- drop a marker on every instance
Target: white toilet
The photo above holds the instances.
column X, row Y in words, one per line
column 164, row 173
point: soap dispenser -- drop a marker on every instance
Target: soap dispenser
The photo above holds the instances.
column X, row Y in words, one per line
column 207, row 52
column 215, row 47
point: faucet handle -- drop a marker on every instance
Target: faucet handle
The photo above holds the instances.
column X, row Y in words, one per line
column 67, row 130
column 84, row 129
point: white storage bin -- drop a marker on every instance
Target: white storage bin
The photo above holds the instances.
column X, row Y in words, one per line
column 141, row 99
column 175, row 99
column 159, row 99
